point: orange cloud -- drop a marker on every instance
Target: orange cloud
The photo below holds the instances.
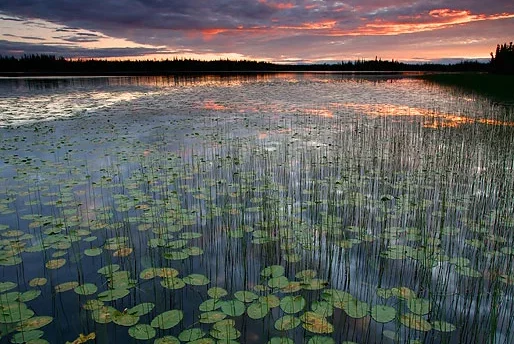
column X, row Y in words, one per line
column 278, row 6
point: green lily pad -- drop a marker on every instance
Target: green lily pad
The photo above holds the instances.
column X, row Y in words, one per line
column 104, row 314
column 287, row 322
column 210, row 305
column 383, row 314
column 29, row 295
column 211, row 317
column 314, row 284
column 403, row 293
column 5, row 286
column 142, row 332
column 113, row 294
column 176, row 255
column 278, row 282
column 467, row 271
column 415, row 322
column 38, row 282
column 125, row 319
column 173, row 283
column 316, row 323
column 323, row 308
column 418, row 306
column 54, row 264
column 292, row 304
column 306, row 274
column 26, row 336
column 93, row 252
column 86, row 289
column 167, row 319
column 356, row 309
column 322, row 340
column 168, row 340
column 443, row 326
column 15, row 313
column 271, row 300
column 108, row 269
column 217, row 292
column 257, row 310
column 280, row 340
column 34, row 323
column 233, row 308
column 66, row 286
column 273, row 271
column 245, row 296
column 191, row 334
column 141, row 309
column 196, row 279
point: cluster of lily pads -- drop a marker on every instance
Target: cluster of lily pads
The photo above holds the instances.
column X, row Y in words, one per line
column 299, row 228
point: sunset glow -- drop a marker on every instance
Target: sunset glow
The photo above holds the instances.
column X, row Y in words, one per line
column 265, row 30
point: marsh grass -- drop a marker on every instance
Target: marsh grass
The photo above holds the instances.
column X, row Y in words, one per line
column 351, row 227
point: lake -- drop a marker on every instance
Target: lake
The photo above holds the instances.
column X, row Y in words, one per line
column 255, row 208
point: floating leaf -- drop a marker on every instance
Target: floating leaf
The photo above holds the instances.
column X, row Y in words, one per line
column 38, row 282
column 167, row 340
column 217, row 292
column 418, row 306
column 141, row 309
column 93, row 304
column 271, row 300
column 167, row 319
column 191, row 334
column 306, row 274
column 210, row 305
column 278, row 282
column 273, row 271
column 55, row 263
column 212, row 317
column 4, row 286
column 29, row 295
column 322, row 340
column 104, row 314
column 292, row 304
column 403, row 293
column 113, row 294
column 86, row 289
column 314, row 284
column 443, row 326
column 257, row 310
column 356, row 309
column 245, row 296
column 415, row 322
column 287, row 322
column 93, row 252
column 467, row 271
column 233, row 308
column 196, row 279
column 26, row 336
column 142, row 332
column 315, row 323
column 383, row 314
column 173, row 283
column 125, row 319
column 60, row 288
column 280, row 340
column 34, row 323
column 108, row 269
column 323, row 308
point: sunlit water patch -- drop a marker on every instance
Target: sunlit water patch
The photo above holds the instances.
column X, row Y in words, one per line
column 288, row 208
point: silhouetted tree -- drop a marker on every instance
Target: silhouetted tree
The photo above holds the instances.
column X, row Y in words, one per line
column 502, row 61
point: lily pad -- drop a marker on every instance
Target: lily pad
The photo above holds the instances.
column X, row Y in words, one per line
column 210, row 305
column 93, row 252
column 196, row 279
column 142, row 332
column 356, row 309
column 55, row 263
column 38, row 282
column 443, row 326
column 278, row 282
column 173, row 283
column 61, row 288
column 217, row 292
column 167, row 340
column 418, row 306
column 287, row 322
column 141, row 309
column 292, row 304
column 191, row 334
column 245, row 296
column 271, row 300
column 113, row 294
column 167, row 319
column 415, row 322
column 29, row 295
column 211, row 317
column 257, row 310
column 273, row 271
column 34, row 323
column 26, row 336
column 233, row 308
column 315, row 323
column 383, row 314
column 86, row 289
column 5, row 286
column 322, row 340
column 125, row 319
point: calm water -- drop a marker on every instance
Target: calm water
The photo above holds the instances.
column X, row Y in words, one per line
column 329, row 208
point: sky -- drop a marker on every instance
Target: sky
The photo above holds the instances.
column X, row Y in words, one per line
column 280, row 31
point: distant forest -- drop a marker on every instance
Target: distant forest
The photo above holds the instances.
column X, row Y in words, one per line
column 502, row 62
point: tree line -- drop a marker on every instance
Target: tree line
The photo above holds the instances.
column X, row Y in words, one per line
column 502, row 62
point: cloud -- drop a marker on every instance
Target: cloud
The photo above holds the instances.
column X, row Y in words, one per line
column 277, row 29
